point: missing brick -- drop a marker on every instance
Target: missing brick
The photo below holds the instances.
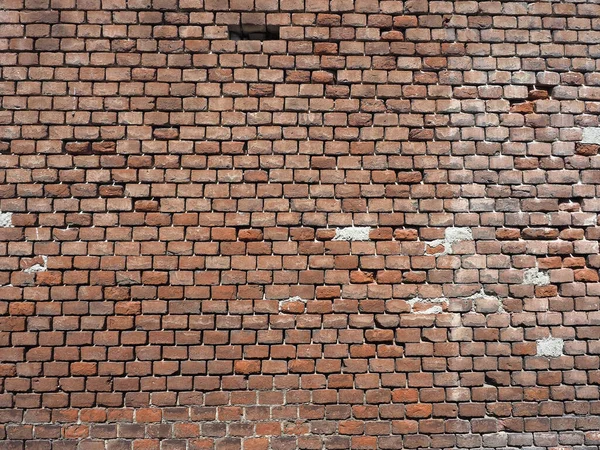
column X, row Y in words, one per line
column 38, row 264
column 539, row 92
column 591, row 135
column 253, row 32
column 5, row 219
column 536, row 277
column 550, row 347
column 480, row 302
column 441, row 247
column 420, row 305
column 352, row 234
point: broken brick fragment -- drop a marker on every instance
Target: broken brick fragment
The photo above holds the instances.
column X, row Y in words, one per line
column 586, row 149
column 360, row 277
column 523, row 108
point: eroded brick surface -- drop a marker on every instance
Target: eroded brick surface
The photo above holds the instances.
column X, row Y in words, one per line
column 279, row 224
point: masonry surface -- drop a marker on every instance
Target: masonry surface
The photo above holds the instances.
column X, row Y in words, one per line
column 299, row 224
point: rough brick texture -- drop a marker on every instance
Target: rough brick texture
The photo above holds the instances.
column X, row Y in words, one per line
column 279, row 224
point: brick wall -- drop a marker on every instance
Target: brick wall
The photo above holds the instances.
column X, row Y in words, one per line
column 279, row 224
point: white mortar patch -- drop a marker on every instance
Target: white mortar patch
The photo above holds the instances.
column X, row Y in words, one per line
column 482, row 302
column 352, row 234
column 451, row 235
column 591, row 135
column 550, row 346
column 290, row 300
column 455, row 234
column 5, row 219
column 535, row 277
column 38, row 267
column 436, row 305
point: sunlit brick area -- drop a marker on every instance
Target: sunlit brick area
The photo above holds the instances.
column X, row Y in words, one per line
column 299, row 224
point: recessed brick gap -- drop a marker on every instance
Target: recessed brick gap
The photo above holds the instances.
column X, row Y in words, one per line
column 253, row 33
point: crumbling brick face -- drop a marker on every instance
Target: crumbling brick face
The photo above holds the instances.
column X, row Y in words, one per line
column 279, row 224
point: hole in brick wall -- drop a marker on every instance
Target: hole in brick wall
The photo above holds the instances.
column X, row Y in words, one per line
column 538, row 92
column 253, row 32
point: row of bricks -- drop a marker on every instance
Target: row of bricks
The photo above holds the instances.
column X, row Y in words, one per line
column 499, row 357
column 539, row 15
column 525, row 412
column 301, row 198
column 384, row 240
column 190, row 234
column 381, row 268
column 392, row 255
column 294, row 99
column 573, row 397
column 267, row 212
column 216, row 368
column 392, row 127
column 256, row 139
column 525, row 312
column 353, row 330
column 570, row 281
column 480, row 15
column 304, row 364
column 134, row 381
column 339, row 84
column 402, row 212
column 230, row 388
column 504, row 408
column 508, row 8
column 225, row 227
column 168, row 442
column 259, row 138
column 195, row 38
column 281, row 168
column 284, row 290
column 502, row 59
column 164, row 439
column 524, row 420
column 180, row 430
column 307, row 213
column 551, row 59
column 275, row 330
column 170, row 125
column 327, row 177
column 389, row 138
column 562, row 86
column 161, row 169
column 156, row 418
column 535, row 18
column 405, row 113
column 393, row 135
column 353, row 156
column 256, row 54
